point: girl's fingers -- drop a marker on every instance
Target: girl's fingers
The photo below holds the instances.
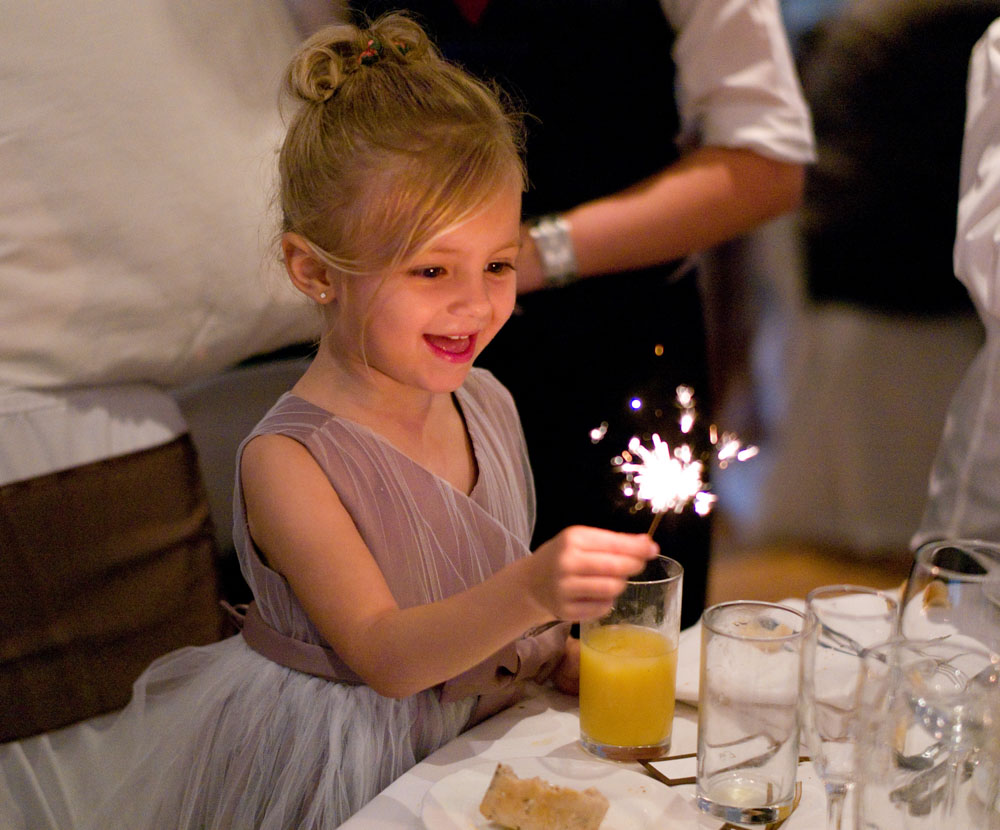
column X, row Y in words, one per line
column 599, row 588
column 601, row 563
column 599, row 540
column 588, row 610
column 584, row 568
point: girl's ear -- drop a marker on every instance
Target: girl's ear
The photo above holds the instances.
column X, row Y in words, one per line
column 307, row 272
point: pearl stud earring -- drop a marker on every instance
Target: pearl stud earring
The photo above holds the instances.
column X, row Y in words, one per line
column 322, row 295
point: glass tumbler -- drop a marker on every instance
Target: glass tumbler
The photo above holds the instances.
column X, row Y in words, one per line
column 748, row 723
column 628, row 668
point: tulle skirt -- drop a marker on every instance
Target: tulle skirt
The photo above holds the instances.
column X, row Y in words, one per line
column 220, row 737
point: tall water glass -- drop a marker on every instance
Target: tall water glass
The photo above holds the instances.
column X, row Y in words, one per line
column 954, row 591
column 841, row 622
column 748, row 725
column 927, row 754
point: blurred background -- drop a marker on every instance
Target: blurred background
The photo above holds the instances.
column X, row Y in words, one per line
column 853, row 332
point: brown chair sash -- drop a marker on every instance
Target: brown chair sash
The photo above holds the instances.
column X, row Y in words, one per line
column 103, row 568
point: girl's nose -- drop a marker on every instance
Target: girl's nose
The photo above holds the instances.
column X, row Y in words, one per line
column 473, row 297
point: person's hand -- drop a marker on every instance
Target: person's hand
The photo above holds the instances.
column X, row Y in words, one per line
column 577, row 574
column 566, row 677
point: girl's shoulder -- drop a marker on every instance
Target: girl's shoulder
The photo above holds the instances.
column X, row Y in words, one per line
column 293, row 416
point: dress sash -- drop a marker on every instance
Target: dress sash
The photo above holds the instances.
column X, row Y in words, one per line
column 496, row 681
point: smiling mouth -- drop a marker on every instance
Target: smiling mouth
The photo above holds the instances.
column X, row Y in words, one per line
column 453, row 347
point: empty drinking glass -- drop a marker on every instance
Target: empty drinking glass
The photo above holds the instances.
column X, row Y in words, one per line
column 841, row 622
column 954, row 591
column 927, row 754
column 748, row 725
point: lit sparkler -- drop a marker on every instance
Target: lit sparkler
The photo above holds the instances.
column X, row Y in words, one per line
column 670, row 479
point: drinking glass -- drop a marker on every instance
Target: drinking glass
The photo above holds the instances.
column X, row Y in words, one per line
column 841, row 622
column 628, row 668
column 748, row 725
column 954, row 591
column 927, row 754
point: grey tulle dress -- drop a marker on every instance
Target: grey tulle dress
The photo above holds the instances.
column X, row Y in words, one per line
column 223, row 737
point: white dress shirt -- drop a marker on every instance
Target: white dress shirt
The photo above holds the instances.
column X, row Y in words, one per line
column 736, row 80
column 137, row 155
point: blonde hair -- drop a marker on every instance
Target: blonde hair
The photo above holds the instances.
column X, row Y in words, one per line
column 390, row 146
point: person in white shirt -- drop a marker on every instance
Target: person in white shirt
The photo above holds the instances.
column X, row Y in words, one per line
column 136, row 140
column 964, row 489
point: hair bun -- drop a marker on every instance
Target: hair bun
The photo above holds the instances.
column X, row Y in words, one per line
column 318, row 68
column 334, row 53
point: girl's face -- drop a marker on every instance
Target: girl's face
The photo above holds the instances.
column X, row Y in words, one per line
column 423, row 324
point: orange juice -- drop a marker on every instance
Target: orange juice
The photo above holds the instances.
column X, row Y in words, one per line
column 627, row 676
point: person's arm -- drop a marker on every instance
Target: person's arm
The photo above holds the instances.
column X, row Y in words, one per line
column 747, row 133
column 712, row 194
column 307, row 535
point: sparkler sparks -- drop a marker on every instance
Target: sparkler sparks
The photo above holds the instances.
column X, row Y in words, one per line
column 667, row 480
column 672, row 479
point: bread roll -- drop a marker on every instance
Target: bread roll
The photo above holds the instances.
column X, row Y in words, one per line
column 534, row 804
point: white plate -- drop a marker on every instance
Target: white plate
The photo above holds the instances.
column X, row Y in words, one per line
column 637, row 801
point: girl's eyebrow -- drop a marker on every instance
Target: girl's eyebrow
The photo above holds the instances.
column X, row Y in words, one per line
column 446, row 249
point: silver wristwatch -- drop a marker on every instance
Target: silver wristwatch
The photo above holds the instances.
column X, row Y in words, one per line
column 555, row 249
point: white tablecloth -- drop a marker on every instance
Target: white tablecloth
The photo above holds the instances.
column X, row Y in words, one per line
column 546, row 724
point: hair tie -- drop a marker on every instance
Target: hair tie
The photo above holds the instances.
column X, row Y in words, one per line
column 371, row 53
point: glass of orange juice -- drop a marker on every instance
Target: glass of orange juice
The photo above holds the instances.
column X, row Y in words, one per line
column 628, row 668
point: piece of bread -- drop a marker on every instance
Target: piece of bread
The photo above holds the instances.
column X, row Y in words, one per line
column 535, row 804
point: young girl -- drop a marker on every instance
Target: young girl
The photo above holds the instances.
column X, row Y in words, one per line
column 384, row 507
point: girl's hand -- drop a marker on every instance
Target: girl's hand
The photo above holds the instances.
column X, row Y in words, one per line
column 577, row 574
column 566, row 677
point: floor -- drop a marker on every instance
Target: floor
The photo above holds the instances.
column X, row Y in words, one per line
column 779, row 571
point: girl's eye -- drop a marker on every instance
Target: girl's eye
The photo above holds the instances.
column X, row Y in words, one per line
column 430, row 272
column 500, row 268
